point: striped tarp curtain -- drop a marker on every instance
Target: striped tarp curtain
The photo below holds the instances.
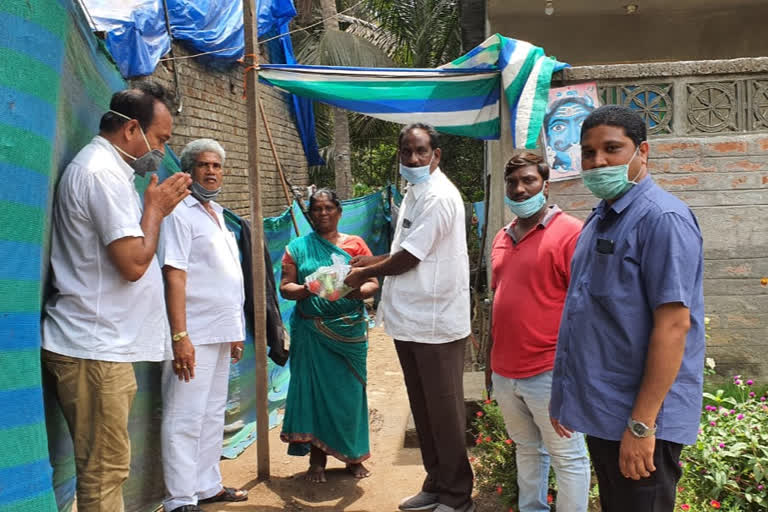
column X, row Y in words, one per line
column 459, row 98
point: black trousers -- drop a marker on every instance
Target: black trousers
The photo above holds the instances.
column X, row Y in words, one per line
column 653, row 494
column 434, row 380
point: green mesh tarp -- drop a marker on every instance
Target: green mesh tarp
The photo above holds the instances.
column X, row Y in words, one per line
column 55, row 82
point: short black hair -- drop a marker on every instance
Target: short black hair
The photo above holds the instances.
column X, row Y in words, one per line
column 137, row 103
column 328, row 193
column 524, row 160
column 621, row 117
column 434, row 139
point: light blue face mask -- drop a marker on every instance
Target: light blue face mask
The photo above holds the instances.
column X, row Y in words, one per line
column 609, row 182
column 529, row 207
column 416, row 175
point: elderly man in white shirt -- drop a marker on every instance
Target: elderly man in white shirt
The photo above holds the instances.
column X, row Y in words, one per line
column 425, row 308
column 107, row 307
column 205, row 295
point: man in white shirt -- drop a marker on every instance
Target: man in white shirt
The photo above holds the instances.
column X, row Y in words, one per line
column 107, row 308
column 205, row 295
column 425, row 308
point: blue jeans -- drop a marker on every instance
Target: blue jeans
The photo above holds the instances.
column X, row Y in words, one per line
column 524, row 403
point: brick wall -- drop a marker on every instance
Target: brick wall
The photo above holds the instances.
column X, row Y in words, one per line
column 725, row 182
column 213, row 107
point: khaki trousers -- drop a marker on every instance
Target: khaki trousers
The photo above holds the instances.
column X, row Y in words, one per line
column 96, row 398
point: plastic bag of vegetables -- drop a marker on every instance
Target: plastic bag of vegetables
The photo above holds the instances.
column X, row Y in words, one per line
column 328, row 282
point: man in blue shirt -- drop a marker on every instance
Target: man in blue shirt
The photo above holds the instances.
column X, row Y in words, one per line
column 630, row 352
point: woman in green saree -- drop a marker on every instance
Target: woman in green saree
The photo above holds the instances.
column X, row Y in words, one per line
column 327, row 409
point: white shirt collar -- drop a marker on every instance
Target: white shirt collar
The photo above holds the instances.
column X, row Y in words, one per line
column 124, row 167
column 191, row 201
column 419, row 188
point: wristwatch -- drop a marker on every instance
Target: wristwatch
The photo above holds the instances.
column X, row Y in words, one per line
column 640, row 429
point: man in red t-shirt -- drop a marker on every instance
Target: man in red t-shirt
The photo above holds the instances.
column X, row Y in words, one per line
column 531, row 260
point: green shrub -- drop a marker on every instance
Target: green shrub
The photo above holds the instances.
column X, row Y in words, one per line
column 726, row 468
column 494, row 457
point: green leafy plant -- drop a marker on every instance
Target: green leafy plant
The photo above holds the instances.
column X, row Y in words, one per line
column 727, row 468
column 494, row 457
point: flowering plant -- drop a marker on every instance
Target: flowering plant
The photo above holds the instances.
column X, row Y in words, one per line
column 727, row 468
column 494, row 457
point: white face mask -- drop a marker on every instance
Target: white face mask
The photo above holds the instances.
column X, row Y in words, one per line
column 416, row 175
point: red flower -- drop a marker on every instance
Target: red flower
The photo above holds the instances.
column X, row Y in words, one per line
column 478, row 440
column 550, row 499
column 715, row 504
column 508, row 441
column 488, row 439
column 487, row 402
column 479, row 414
column 499, row 489
column 685, row 506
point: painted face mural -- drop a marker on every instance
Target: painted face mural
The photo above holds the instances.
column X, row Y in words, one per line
column 562, row 129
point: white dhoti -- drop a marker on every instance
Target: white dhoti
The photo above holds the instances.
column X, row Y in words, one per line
column 193, row 427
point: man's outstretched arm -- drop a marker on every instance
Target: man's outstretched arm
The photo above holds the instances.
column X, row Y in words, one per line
column 394, row 264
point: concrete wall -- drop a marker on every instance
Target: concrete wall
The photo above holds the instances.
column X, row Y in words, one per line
column 213, row 106
column 720, row 168
column 725, row 181
column 674, row 34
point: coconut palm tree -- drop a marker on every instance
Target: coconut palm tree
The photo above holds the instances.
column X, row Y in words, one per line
column 332, row 46
column 427, row 33
column 375, row 33
column 472, row 20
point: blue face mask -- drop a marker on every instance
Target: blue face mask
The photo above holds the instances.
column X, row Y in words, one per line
column 527, row 208
column 609, row 182
column 416, row 175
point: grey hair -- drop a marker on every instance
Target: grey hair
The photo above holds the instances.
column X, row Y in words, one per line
column 192, row 150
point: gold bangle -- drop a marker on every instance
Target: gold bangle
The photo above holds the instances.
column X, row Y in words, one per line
column 179, row 336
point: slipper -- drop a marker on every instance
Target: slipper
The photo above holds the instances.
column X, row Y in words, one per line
column 227, row 494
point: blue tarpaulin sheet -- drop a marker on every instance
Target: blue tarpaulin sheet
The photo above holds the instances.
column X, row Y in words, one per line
column 137, row 38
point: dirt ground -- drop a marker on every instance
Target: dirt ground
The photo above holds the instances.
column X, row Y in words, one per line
column 396, row 471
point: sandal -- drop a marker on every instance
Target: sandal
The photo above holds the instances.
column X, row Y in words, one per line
column 227, row 494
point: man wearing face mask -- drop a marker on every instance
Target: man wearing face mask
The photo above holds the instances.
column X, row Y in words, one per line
column 425, row 308
column 531, row 268
column 630, row 353
column 107, row 308
column 205, row 294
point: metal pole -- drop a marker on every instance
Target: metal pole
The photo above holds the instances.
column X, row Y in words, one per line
column 257, row 235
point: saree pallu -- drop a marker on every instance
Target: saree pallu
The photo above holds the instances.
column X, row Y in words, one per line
column 327, row 405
